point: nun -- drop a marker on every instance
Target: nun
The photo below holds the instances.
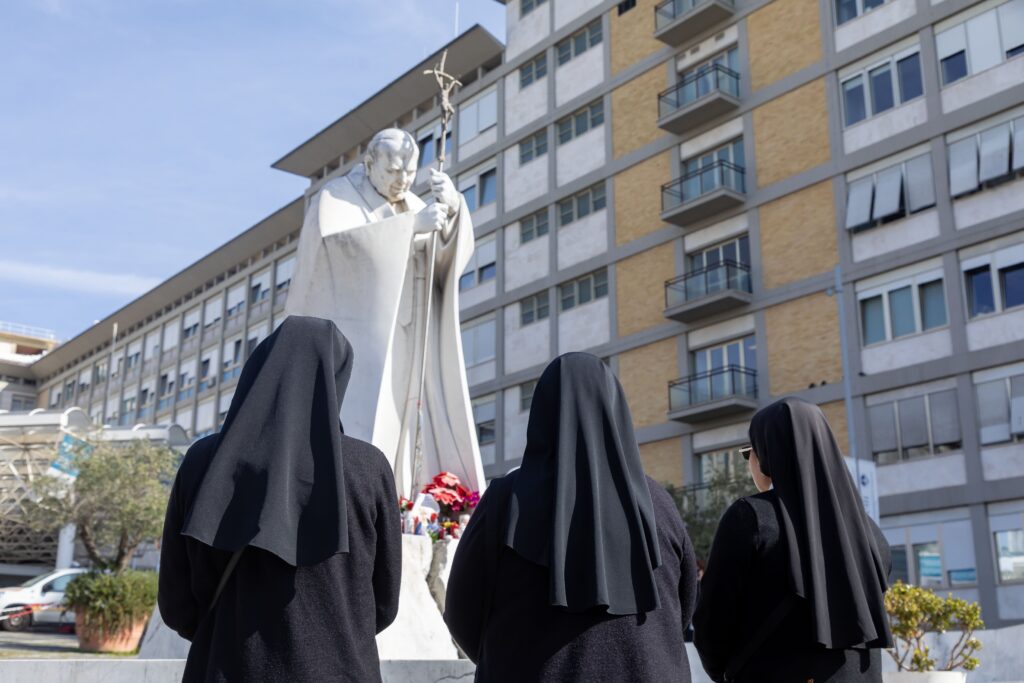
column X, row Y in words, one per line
column 576, row 566
column 281, row 554
column 796, row 576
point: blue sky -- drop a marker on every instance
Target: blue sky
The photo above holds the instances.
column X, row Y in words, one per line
column 137, row 135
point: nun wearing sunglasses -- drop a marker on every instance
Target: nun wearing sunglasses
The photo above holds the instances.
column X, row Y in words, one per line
column 794, row 585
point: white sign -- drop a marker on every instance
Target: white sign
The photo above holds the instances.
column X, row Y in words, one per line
column 863, row 473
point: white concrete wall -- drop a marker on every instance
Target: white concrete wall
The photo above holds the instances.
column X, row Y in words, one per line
column 524, row 106
column 478, row 294
column 524, row 262
column 580, row 156
column 896, row 235
column 514, row 425
column 567, row 10
column 878, row 128
column 525, row 346
column 988, row 204
column 523, row 183
column 873, row 22
column 909, row 350
column 579, row 74
column 522, row 33
column 583, row 239
column 921, row 474
column 993, row 330
column 1003, row 462
column 583, row 327
column 985, row 84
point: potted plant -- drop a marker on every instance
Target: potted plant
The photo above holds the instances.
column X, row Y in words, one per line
column 111, row 609
column 913, row 613
column 115, row 495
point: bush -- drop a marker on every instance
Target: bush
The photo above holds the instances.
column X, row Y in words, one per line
column 915, row 611
column 702, row 507
column 112, row 602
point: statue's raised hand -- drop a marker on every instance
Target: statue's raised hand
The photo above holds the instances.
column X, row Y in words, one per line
column 432, row 217
column 443, row 189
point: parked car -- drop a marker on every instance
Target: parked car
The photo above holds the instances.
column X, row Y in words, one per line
column 45, row 591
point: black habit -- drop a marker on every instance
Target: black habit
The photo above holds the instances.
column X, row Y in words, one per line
column 312, row 511
column 575, row 567
column 796, row 576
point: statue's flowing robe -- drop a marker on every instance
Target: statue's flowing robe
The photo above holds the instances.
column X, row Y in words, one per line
column 361, row 264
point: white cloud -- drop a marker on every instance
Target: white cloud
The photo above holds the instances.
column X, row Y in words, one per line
column 75, row 279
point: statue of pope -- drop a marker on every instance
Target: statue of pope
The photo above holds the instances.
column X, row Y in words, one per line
column 363, row 263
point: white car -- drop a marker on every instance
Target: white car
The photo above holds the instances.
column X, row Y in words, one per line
column 44, row 592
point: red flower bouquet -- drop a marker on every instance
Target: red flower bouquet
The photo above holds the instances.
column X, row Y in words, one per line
column 451, row 496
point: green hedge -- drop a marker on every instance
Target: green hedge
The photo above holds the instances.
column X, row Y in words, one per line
column 112, row 602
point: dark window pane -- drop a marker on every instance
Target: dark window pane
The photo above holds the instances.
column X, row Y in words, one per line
column 954, row 67
column 540, row 67
column 542, row 223
column 567, row 294
column 854, row 107
column 583, row 205
column 585, row 290
column 564, row 52
column 980, row 299
column 909, row 70
column 871, row 4
column 600, row 284
column 872, row 320
column 581, row 122
column 1012, row 281
column 565, row 215
column 488, row 187
column 467, row 280
column 901, row 312
column 564, row 131
column 933, row 305
column 579, row 43
column 488, row 272
column 469, row 196
column 845, row 10
column 881, row 89
column 900, row 571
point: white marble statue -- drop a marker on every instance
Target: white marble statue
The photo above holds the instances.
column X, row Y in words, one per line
column 363, row 263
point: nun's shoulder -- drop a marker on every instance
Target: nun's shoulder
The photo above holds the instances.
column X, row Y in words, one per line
column 197, row 457
column 362, row 456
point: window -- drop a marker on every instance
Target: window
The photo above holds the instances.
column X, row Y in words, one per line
column 902, row 309
column 880, row 87
column 934, row 554
column 626, row 5
column 478, row 340
column 890, row 193
column 533, row 147
column 488, row 187
column 714, row 169
column 725, row 464
column 581, row 204
column 851, row 9
column 235, row 302
column 716, row 268
column 914, row 427
column 533, row 226
column 533, row 70
column 526, row 390
column 986, row 158
column 283, row 276
column 527, row 6
column 1001, row 409
column 430, row 147
column 1009, row 546
column 100, row 373
column 478, row 115
column 481, row 266
column 583, row 290
column 981, row 42
column 483, row 415
column 723, row 370
column 579, row 122
column 579, row 42
column 533, row 308
column 717, row 73
column 994, row 282
column 22, row 403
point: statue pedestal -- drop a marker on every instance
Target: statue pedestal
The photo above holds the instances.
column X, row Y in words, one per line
column 419, row 632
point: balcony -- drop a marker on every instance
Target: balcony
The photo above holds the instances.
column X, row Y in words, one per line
column 699, row 98
column 234, row 322
column 677, row 21
column 211, row 334
column 259, row 310
column 717, row 288
column 189, row 345
column 168, row 358
column 723, row 391
column 702, row 193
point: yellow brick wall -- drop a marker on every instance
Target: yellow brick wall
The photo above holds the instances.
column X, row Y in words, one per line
column 803, row 344
column 638, row 198
column 835, row 413
column 791, row 133
column 783, row 38
column 632, row 35
column 645, row 373
column 663, row 461
column 635, row 111
column 640, row 287
column 798, row 235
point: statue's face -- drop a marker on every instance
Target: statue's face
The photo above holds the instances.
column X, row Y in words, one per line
column 392, row 169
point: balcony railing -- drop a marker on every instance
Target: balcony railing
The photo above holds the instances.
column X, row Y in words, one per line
column 720, row 277
column 706, row 388
column 703, row 192
column 678, row 20
column 698, row 85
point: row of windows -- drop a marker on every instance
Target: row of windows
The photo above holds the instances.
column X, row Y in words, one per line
column 579, row 42
column 880, row 87
column 981, row 42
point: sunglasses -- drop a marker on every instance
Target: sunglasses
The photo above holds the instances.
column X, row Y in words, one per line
column 745, row 452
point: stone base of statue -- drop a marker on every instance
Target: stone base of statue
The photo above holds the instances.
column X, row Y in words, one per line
column 419, row 632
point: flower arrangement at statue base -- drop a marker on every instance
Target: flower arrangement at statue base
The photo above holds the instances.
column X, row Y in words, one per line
column 454, row 503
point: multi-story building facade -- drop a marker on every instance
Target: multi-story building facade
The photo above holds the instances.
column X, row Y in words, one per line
column 20, row 346
column 728, row 201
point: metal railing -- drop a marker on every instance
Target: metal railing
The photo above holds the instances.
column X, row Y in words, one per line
column 28, row 331
column 730, row 381
column 717, row 175
column 700, row 84
column 670, row 10
column 708, row 280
